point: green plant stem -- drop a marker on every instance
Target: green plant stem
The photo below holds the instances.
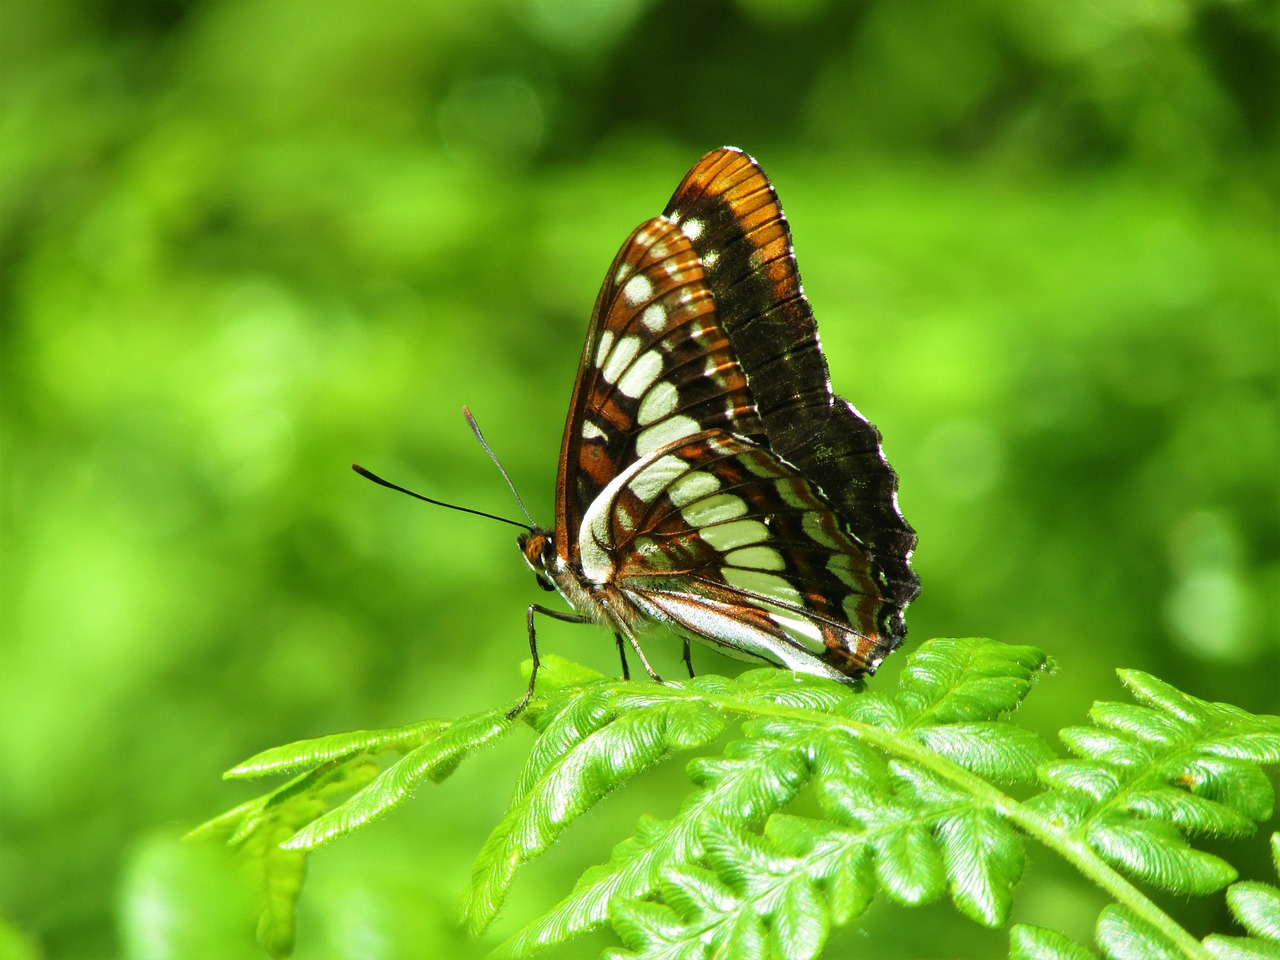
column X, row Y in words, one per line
column 1074, row 851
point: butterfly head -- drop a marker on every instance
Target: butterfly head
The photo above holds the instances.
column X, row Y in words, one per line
column 539, row 551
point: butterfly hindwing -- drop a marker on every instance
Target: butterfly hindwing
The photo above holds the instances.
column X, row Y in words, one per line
column 718, row 521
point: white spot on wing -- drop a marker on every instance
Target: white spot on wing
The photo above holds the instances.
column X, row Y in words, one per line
column 605, row 345
column 812, row 523
column 759, row 557
column 654, row 317
column 713, row 510
column 851, row 607
column 735, row 637
column 791, row 498
column 592, row 543
column 642, row 374
column 802, row 629
column 738, row 533
column 637, row 290
column 665, row 431
column 595, row 538
column 652, row 480
column 620, row 358
column 695, row 486
column 659, row 402
column 591, row 431
column 767, row 585
column 692, row 229
column 841, row 567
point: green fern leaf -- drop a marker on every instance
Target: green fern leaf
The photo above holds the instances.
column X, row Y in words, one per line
column 280, row 873
column 1028, row 942
column 797, row 691
column 909, row 864
column 1083, row 776
column 997, row 751
column 968, row 680
column 984, row 859
column 775, row 887
column 1064, row 811
column 653, row 931
column 904, row 783
column 1105, row 746
column 1241, row 948
column 694, row 892
column 1240, row 786
column 1257, row 907
column 1165, row 697
column 1157, row 852
column 259, row 830
column 705, row 919
column 644, row 728
column 1187, row 811
column 1122, row 936
column 306, row 754
column 563, row 725
column 433, row 760
column 1142, row 723
column 850, row 779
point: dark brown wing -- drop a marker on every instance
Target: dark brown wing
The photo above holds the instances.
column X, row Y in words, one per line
column 728, row 209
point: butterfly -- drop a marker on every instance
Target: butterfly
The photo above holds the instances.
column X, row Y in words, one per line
column 709, row 480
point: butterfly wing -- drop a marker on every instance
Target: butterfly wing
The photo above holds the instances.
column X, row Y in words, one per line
column 657, row 366
column 731, row 213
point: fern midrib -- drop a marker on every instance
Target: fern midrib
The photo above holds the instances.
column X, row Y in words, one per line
column 1066, row 845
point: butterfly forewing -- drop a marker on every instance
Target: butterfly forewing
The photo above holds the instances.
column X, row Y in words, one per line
column 709, row 478
column 729, row 209
column 657, row 366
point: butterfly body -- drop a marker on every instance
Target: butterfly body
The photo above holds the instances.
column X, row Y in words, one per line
column 709, row 479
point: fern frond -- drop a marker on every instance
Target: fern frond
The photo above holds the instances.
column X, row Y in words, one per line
column 819, row 798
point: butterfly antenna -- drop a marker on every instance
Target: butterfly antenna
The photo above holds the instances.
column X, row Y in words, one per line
column 369, row 475
column 475, row 428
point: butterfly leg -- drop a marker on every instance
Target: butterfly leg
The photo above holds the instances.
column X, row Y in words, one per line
column 622, row 655
column 533, row 649
column 635, row 645
column 688, row 658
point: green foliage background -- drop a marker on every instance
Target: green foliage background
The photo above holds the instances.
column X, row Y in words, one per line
column 244, row 244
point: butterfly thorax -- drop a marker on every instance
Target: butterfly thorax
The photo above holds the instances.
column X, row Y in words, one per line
column 602, row 602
